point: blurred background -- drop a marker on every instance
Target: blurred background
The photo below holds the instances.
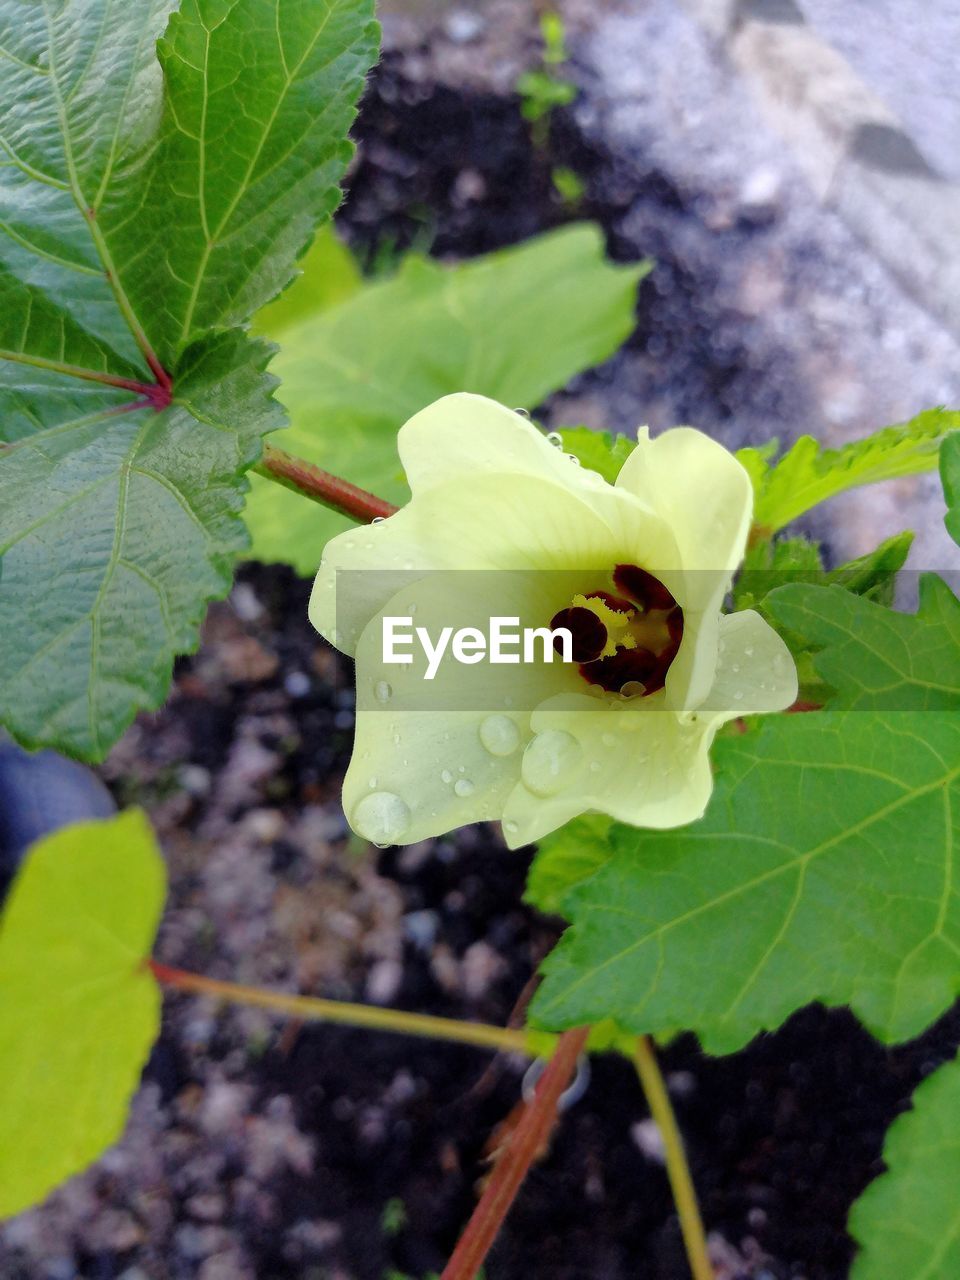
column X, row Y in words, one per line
column 790, row 167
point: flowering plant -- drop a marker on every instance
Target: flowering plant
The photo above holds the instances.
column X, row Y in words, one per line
column 637, row 570
column 165, row 169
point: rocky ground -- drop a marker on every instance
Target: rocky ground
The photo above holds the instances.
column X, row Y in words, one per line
column 272, row 1151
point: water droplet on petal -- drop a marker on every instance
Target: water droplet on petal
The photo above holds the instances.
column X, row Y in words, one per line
column 550, row 761
column 464, row 787
column 524, row 413
column 735, row 667
column 372, row 784
column 572, row 457
column 511, row 827
column 499, row 735
column 446, row 776
column 738, row 696
column 378, row 519
column 383, row 691
column 381, row 817
column 555, row 438
column 748, row 651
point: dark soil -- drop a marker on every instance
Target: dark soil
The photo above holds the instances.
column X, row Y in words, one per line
column 371, row 1167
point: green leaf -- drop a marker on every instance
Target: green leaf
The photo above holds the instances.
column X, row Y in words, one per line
column 809, row 474
column 907, row 1222
column 80, row 1011
column 873, row 658
column 115, row 529
column 950, row 474
column 515, row 325
column 144, row 204
column 599, row 451
column 823, row 870
column 770, row 562
column 566, row 858
column 329, row 274
column 246, row 161
column 775, row 562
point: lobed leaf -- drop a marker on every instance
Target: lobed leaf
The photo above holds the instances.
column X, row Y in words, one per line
column 822, row 870
column 80, row 1010
column 871, row 657
column 115, row 529
column 907, row 1222
column 566, row 858
column 809, row 474
column 147, row 208
column 514, row 325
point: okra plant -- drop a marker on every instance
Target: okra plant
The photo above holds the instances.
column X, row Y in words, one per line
column 742, row 768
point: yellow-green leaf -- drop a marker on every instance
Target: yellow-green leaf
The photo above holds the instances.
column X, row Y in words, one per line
column 79, row 1010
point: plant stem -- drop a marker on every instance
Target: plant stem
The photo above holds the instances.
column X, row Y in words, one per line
column 522, row 1149
column 678, row 1171
column 305, row 478
column 315, row 1009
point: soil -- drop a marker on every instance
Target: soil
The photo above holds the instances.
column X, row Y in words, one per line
column 273, row 1151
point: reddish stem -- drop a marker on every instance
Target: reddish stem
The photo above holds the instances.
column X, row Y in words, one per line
column 523, row 1146
column 303, row 477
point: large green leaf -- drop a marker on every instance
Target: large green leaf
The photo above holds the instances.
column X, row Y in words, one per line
column 873, row 658
column 144, row 204
column 79, row 1010
column 115, row 529
column 950, row 474
column 515, row 326
column 809, row 474
column 566, row 858
column 823, row 870
column 907, row 1222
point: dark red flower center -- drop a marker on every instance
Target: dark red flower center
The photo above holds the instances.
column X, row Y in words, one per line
column 634, row 644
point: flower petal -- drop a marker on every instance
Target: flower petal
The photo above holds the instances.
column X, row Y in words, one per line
column 483, row 522
column 700, row 489
column 463, row 436
column 756, row 672
column 636, row 761
column 705, row 495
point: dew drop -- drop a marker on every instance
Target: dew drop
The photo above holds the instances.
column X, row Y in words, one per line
column 511, row 827
column 735, row 667
column 550, row 761
column 572, row 457
column 396, row 739
column 738, row 696
column 381, row 817
column 524, row 413
column 446, row 776
column 383, row 691
column 372, row 784
column 464, row 787
column 555, row 438
column 499, row 735
column 378, row 519
column 748, row 651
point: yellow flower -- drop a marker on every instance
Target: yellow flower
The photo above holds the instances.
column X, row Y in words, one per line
column 503, row 524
